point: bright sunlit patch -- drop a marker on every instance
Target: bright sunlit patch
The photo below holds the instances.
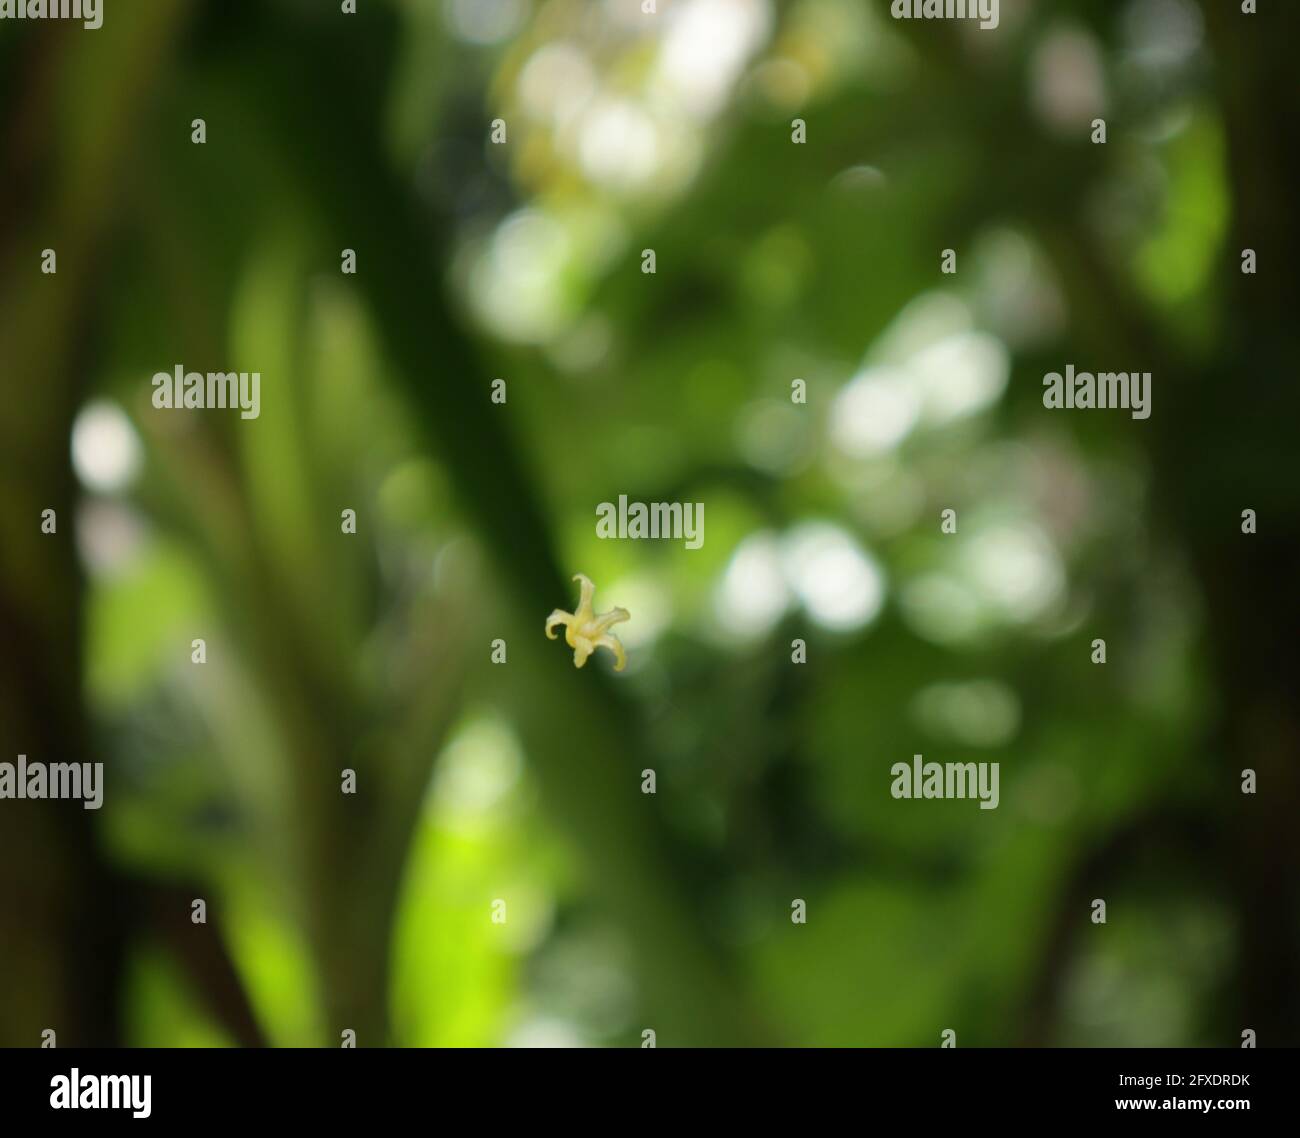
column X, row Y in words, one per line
column 546, row 1032
column 942, row 608
column 929, row 367
column 859, row 179
column 752, row 595
column 1068, row 84
column 653, row 607
column 516, row 284
column 485, row 21
column 923, row 321
column 584, row 346
column 1019, row 296
column 960, row 375
column 109, row 536
column 706, row 46
column 874, row 412
column 976, row 713
column 106, row 451
column 556, row 83
column 840, row 586
column 480, row 766
column 618, row 144
column 1017, row 569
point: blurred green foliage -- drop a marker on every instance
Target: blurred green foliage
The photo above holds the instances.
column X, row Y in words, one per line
column 775, row 261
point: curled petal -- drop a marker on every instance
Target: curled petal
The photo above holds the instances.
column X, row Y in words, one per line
column 608, row 640
column 587, row 591
column 559, row 616
column 614, row 616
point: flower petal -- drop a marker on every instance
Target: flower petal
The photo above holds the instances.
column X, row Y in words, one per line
column 608, row 640
column 559, row 616
column 614, row 616
column 587, row 591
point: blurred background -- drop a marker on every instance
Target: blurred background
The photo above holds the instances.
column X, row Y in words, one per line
column 521, row 781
